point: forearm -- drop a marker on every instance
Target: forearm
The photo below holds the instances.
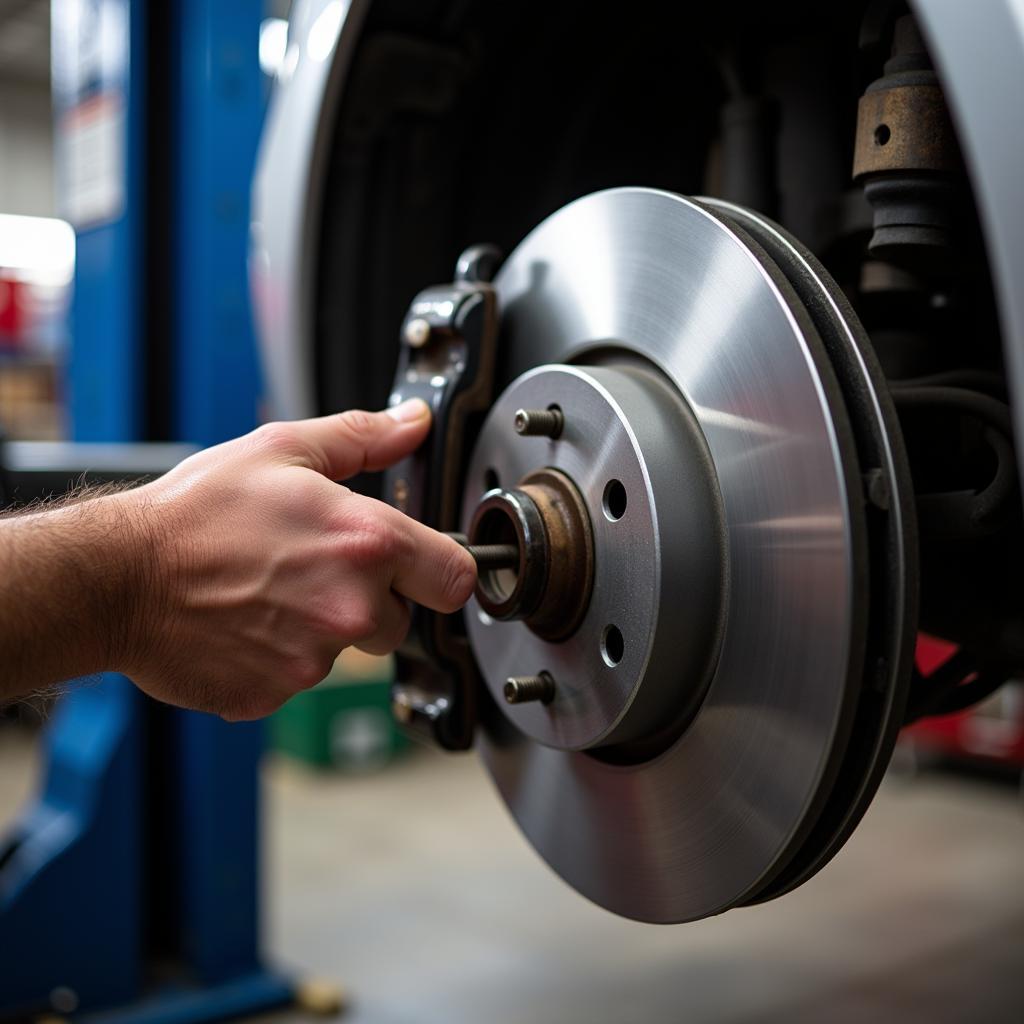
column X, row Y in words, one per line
column 231, row 582
column 71, row 586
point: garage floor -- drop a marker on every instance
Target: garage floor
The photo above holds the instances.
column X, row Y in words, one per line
column 414, row 890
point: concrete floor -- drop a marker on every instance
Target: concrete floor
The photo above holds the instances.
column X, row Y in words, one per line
column 415, row 891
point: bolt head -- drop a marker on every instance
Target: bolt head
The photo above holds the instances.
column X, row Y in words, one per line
column 417, row 332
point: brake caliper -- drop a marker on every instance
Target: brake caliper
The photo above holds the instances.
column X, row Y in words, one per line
column 447, row 358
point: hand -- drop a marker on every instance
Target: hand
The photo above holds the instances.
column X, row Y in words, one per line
column 263, row 568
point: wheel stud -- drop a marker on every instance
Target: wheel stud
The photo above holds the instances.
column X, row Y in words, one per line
column 522, row 689
column 539, row 422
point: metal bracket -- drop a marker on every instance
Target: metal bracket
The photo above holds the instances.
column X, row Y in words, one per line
column 447, row 358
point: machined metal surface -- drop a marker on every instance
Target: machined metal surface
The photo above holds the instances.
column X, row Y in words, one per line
column 709, row 821
column 892, row 565
column 640, row 657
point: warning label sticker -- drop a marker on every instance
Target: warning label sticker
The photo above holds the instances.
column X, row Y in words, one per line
column 92, row 143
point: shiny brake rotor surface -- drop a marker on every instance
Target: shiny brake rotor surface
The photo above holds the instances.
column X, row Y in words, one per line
column 708, row 822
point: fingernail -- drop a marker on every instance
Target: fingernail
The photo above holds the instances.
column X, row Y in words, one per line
column 409, row 411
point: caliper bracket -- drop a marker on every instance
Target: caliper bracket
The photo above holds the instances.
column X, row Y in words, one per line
column 447, row 358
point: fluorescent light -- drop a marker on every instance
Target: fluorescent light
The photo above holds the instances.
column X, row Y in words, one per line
column 41, row 249
column 273, row 44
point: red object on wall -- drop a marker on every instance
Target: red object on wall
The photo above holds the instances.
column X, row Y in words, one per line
column 991, row 731
column 15, row 307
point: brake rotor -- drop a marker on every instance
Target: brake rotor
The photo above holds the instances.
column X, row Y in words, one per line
column 733, row 679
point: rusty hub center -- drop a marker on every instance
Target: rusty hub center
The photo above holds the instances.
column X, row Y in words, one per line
column 549, row 587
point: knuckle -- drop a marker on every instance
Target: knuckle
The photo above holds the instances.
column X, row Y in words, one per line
column 457, row 578
column 360, row 621
column 306, row 672
column 369, row 541
column 276, row 439
column 390, row 637
column 357, row 423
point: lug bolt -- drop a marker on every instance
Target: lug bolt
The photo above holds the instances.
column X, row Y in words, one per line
column 539, row 422
column 522, row 689
column 417, row 332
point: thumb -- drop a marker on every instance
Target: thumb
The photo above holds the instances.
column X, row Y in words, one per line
column 350, row 442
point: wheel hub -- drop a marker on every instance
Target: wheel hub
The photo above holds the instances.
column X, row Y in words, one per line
column 618, row 522
column 546, row 521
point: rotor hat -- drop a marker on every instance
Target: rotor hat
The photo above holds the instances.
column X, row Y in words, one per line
column 628, row 546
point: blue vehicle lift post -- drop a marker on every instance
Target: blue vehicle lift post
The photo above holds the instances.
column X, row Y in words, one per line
column 130, row 890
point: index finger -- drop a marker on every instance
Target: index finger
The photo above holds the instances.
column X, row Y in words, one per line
column 429, row 567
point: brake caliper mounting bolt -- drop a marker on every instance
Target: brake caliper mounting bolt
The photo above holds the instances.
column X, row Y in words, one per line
column 417, row 332
column 539, row 422
column 522, row 689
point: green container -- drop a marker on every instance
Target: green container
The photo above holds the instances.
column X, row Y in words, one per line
column 344, row 722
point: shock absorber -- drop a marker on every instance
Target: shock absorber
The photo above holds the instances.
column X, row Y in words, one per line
column 907, row 160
